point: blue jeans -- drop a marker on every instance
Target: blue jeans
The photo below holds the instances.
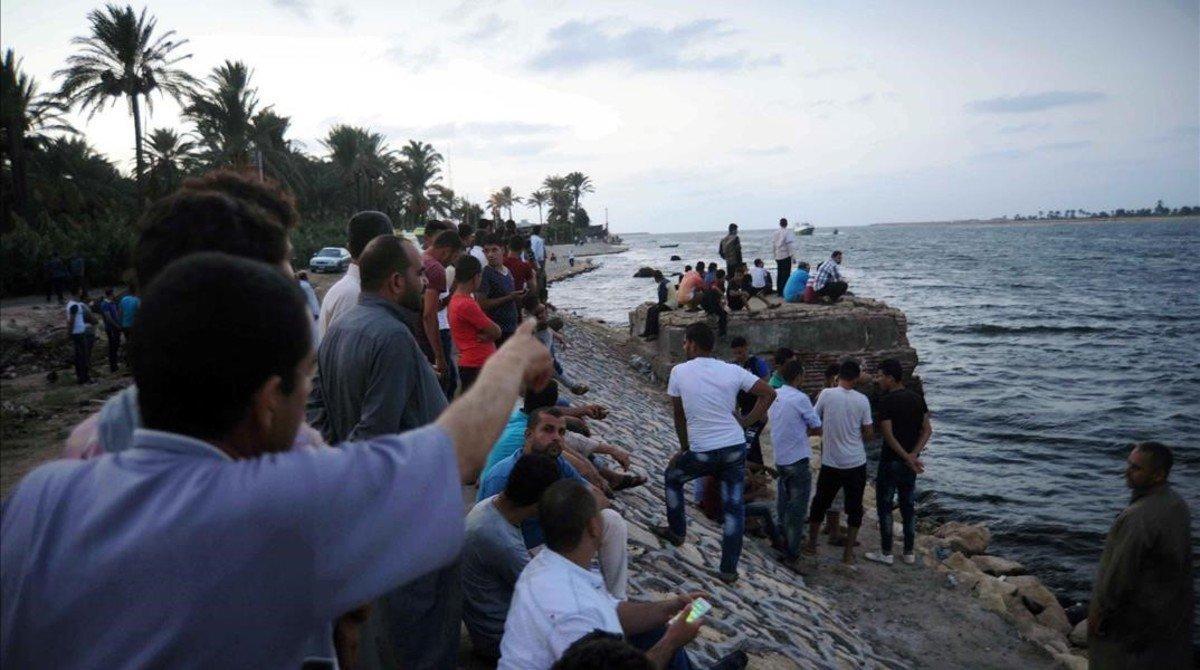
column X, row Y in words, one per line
column 895, row 477
column 793, row 488
column 728, row 465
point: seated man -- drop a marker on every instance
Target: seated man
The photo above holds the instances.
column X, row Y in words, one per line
column 558, row 600
column 797, row 281
column 828, row 283
column 494, row 552
column 544, row 435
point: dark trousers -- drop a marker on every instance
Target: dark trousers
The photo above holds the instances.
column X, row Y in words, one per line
column 55, row 287
column 424, row 618
column 114, row 348
column 792, row 489
column 83, row 356
column 449, row 380
column 783, row 270
column 754, row 443
column 652, row 319
column 710, row 302
column 851, row 481
column 467, row 377
column 728, row 465
column 645, row 641
column 895, row 477
column 833, row 290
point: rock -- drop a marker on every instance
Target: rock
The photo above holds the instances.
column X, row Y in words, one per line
column 960, row 563
column 639, row 535
column 1042, row 603
column 676, row 258
column 1077, row 612
column 988, row 584
column 1044, row 637
column 1079, row 634
column 968, row 538
column 994, row 565
column 1070, row 662
column 644, row 272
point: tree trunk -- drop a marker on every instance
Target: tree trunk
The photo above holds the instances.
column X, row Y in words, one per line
column 139, row 160
column 540, row 222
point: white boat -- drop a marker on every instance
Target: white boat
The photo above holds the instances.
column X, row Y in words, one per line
column 805, row 228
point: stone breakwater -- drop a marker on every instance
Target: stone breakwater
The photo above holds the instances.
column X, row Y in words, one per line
column 872, row 617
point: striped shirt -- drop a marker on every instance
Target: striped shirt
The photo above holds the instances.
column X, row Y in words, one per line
column 826, row 272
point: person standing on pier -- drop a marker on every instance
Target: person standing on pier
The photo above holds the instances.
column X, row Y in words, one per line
column 1143, row 606
column 712, row 438
column 730, row 249
column 783, row 246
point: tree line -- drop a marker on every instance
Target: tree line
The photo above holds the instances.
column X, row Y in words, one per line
column 1159, row 209
column 59, row 194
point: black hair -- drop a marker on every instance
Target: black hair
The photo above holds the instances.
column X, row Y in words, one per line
column 490, row 239
column 782, row 223
column 892, row 368
column 757, row 262
column 832, row 370
column 564, row 512
column 687, row 268
column 466, row 268
column 849, row 370
column 531, row 475
column 700, row 266
column 198, row 380
column 1160, row 455
column 434, row 226
column 658, row 275
column 720, row 274
column 382, row 257
column 465, row 230
column 732, row 227
column 738, row 341
column 784, row 354
column 701, row 335
column 364, row 227
column 530, row 302
column 803, row 265
column 537, row 230
column 448, row 239
column 534, row 399
column 599, row 650
column 515, row 243
column 836, row 252
column 791, row 370
column 108, row 291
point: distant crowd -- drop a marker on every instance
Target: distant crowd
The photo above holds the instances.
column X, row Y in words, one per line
column 283, row 485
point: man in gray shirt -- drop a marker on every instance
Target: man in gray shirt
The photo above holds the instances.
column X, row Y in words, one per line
column 373, row 380
column 494, row 550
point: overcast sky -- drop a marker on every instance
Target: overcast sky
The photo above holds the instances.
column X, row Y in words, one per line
column 691, row 115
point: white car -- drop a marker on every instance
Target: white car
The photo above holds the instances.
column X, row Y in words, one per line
column 330, row 259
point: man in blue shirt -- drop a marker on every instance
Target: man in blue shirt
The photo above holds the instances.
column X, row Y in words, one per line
column 210, row 523
column 496, row 294
column 544, row 435
column 794, row 290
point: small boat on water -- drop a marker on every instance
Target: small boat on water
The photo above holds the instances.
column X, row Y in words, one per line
column 835, row 231
column 668, row 246
column 805, row 228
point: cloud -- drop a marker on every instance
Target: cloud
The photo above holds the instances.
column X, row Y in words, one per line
column 415, row 60
column 465, row 8
column 342, row 16
column 1049, row 147
column 1034, row 102
column 1023, row 128
column 767, row 151
column 488, row 28
column 576, row 45
column 826, row 71
column 478, row 129
column 301, row 8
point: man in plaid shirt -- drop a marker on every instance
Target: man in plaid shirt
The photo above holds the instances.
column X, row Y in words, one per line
column 828, row 282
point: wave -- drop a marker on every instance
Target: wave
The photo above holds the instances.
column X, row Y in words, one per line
column 997, row 329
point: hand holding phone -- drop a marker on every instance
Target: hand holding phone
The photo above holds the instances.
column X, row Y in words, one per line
column 700, row 607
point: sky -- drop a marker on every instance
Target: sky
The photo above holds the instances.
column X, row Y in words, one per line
column 692, row 115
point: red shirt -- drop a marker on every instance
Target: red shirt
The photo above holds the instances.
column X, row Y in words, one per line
column 435, row 273
column 521, row 271
column 467, row 319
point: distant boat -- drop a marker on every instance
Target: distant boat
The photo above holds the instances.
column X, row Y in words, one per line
column 805, row 228
column 835, row 231
column 668, row 246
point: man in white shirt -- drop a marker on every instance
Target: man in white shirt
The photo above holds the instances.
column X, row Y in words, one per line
column 712, row 438
column 470, row 237
column 791, row 420
column 846, row 424
column 558, row 600
column 759, row 277
column 783, row 245
column 82, row 335
column 343, row 295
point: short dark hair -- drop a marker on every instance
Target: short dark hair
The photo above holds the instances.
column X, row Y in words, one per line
column 687, row 268
column 720, row 274
column 531, row 475
column 836, row 252
column 832, row 370
column 515, row 243
column 782, row 222
column 658, row 275
column 757, row 262
column 364, row 227
column 266, row 193
column 791, row 370
column 434, row 226
column 448, row 239
column 564, row 512
column 732, row 227
column 700, row 266
column 465, row 230
column 738, row 341
column 382, row 257
column 784, row 354
column 599, row 650
column 197, row 380
column 849, row 369
column 206, row 219
column 804, row 265
column 535, row 399
column 1160, row 455
column 490, row 239
column 700, row 335
column 892, row 368
column 466, row 268
column 530, row 302
column 537, row 230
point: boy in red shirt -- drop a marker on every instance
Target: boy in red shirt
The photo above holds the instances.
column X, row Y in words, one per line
column 474, row 334
column 521, row 270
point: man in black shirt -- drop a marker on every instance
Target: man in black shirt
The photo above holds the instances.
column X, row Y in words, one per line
column 904, row 423
column 651, row 330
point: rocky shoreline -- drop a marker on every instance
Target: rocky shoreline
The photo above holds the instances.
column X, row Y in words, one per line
column 958, row 608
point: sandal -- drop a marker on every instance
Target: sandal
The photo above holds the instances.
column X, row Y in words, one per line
column 629, row 481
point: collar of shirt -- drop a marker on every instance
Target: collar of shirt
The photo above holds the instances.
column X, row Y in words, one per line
column 351, row 271
column 372, row 300
column 158, row 440
column 561, row 564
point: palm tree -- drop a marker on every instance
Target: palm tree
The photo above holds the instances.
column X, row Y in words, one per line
column 25, row 116
column 123, row 58
column 579, row 184
column 224, row 115
column 420, row 167
column 495, row 203
column 278, row 156
column 441, row 200
column 467, row 212
column 508, row 199
column 537, row 199
column 171, row 155
column 561, row 197
column 361, row 157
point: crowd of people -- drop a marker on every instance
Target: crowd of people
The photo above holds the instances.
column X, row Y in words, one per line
column 284, row 486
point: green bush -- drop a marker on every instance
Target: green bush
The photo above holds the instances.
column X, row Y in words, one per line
column 105, row 244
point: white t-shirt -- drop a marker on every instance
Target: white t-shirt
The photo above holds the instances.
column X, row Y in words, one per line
column 78, row 323
column 538, row 245
column 843, row 413
column 340, row 298
column 444, row 313
column 555, row 603
column 783, row 244
column 790, row 417
column 477, row 252
column 758, row 277
column 708, row 388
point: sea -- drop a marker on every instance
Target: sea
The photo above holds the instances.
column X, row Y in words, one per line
column 1045, row 349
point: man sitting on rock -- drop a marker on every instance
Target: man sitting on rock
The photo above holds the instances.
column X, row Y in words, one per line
column 828, row 283
column 558, row 600
column 494, row 551
column 712, row 438
column 544, row 435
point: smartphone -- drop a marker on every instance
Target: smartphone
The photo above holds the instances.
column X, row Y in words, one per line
column 700, row 607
